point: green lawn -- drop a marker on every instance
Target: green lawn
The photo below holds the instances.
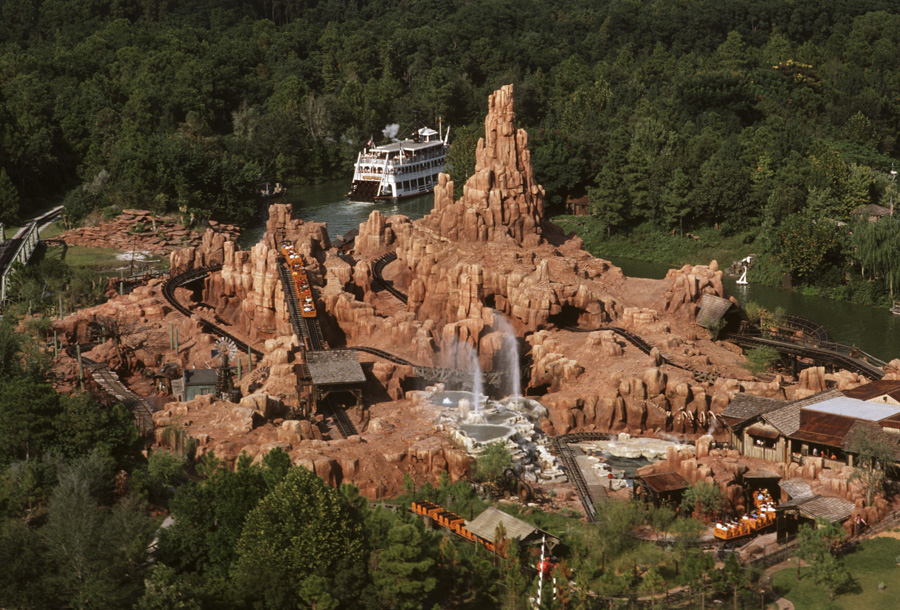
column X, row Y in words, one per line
column 874, row 562
column 52, row 230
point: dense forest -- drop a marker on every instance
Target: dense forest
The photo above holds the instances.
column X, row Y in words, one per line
column 765, row 121
column 678, row 114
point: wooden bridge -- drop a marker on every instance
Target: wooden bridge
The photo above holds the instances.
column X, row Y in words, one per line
column 20, row 247
column 820, row 352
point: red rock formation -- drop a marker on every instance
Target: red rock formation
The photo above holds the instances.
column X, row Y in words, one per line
column 142, row 231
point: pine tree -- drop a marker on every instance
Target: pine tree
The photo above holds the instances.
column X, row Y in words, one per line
column 403, row 570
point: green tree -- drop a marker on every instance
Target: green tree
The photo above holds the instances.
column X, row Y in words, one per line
column 315, row 594
column 163, row 590
column 94, row 553
column 9, row 199
column 876, row 452
column 28, row 409
column 210, row 515
column 402, row 571
column 877, row 248
column 816, row 548
column 609, row 199
column 676, row 198
column 493, row 462
column 702, row 498
column 461, row 157
column 302, row 527
column 760, row 359
column 736, row 576
column 808, row 246
column 615, row 523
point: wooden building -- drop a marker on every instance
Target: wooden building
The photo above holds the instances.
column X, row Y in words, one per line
column 485, row 526
column 827, row 428
column 819, row 426
column 805, row 507
column 883, row 391
column 871, row 212
column 334, row 371
column 713, row 309
column 661, row 489
column 750, row 434
column 193, row 383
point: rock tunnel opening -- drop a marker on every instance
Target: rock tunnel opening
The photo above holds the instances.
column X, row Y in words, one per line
column 568, row 316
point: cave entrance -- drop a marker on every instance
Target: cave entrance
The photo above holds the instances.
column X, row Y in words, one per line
column 568, row 316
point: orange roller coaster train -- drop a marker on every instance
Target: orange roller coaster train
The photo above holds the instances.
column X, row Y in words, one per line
column 450, row 521
column 754, row 523
column 294, row 261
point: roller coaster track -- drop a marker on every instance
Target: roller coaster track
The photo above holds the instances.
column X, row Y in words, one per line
column 382, row 354
column 308, row 329
column 567, row 456
column 339, row 416
column 645, row 347
column 380, row 263
column 112, row 385
column 821, row 352
column 192, row 276
column 807, row 327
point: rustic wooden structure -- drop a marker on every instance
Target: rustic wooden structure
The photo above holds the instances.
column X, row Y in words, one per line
column 805, row 507
column 334, row 371
column 661, row 489
column 485, row 526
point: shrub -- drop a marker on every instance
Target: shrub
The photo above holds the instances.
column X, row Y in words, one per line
column 761, row 359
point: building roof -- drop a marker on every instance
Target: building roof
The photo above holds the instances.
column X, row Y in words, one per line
column 852, row 407
column 796, row 488
column 196, row 377
column 335, row 367
column 872, row 209
column 712, row 308
column 823, row 428
column 874, row 389
column 745, row 407
column 787, row 418
column 821, row 507
column 485, row 526
column 664, row 482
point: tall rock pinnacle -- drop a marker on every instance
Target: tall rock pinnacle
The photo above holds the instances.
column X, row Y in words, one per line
column 500, row 199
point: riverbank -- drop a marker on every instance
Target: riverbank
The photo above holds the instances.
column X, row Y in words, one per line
column 703, row 245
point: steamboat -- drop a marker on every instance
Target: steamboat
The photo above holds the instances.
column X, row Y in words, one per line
column 400, row 169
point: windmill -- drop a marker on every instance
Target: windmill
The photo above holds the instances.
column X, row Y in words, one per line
column 226, row 350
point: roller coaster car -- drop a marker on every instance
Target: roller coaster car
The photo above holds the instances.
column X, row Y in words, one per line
column 450, row 521
column 748, row 525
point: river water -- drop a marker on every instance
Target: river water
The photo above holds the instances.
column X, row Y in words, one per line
column 875, row 331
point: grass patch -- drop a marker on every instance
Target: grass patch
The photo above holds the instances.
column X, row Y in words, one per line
column 106, row 261
column 648, row 244
column 53, row 229
column 874, row 562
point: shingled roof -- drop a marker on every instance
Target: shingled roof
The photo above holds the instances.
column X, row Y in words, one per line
column 485, row 526
column 875, row 389
column 787, row 419
column 745, row 407
column 821, row 507
column 663, row 482
column 335, row 367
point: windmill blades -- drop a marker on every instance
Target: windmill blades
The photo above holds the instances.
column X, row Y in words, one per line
column 226, row 348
